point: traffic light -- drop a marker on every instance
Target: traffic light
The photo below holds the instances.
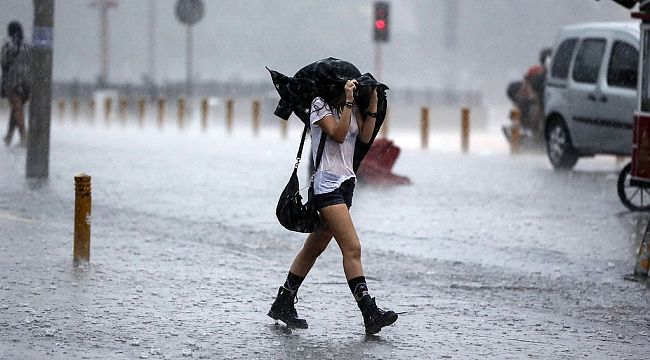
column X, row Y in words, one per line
column 381, row 24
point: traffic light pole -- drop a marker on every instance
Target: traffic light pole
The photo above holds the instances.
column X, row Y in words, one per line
column 38, row 140
column 378, row 60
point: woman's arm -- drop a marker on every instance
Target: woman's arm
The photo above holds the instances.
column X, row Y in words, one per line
column 338, row 130
column 367, row 126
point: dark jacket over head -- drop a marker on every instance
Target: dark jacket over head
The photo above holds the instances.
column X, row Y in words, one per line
column 318, row 79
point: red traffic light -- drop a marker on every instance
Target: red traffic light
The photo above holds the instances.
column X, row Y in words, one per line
column 381, row 21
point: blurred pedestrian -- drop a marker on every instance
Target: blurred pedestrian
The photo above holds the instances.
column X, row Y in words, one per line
column 15, row 84
column 338, row 115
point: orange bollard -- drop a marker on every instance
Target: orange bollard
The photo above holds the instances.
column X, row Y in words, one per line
column 75, row 107
column 108, row 104
column 181, row 112
column 204, row 113
column 424, row 127
column 284, row 128
column 124, row 106
column 465, row 127
column 141, row 110
column 256, row 116
column 92, row 107
column 82, row 210
column 161, row 111
column 229, row 114
column 61, row 104
column 515, row 135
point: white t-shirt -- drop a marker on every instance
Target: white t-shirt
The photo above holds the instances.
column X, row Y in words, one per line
column 336, row 164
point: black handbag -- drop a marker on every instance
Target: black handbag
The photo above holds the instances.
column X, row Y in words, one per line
column 291, row 212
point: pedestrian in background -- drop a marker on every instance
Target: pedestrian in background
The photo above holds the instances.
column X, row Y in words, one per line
column 342, row 121
column 15, row 83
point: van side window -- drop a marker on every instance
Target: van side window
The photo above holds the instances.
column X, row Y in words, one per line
column 623, row 65
column 588, row 60
column 562, row 59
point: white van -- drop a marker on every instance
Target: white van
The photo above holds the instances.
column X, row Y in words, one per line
column 591, row 92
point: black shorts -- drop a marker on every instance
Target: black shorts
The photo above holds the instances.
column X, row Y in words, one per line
column 342, row 195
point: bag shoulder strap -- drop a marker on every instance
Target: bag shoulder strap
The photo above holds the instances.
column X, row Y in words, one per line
column 319, row 153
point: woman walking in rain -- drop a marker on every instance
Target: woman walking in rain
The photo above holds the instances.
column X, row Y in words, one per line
column 15, row 59
column 340, row 118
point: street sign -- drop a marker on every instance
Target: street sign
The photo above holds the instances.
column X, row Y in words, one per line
column 189, row 12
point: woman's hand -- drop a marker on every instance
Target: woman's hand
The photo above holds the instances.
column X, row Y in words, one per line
column 350, row 86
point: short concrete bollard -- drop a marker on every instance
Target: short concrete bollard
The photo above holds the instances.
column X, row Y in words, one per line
column 229, row 114
column 465, row 127
column 424, row 127
column 82, row 209
column 515, row 134
column 256, row 117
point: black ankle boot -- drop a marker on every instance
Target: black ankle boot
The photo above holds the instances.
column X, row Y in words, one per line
column 283, row 309
column 375, row 318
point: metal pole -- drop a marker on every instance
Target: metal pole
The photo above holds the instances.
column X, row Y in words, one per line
column 40, row 116
column 103, row 40
column 188, row 75
column 152, row 40
column 378, row 59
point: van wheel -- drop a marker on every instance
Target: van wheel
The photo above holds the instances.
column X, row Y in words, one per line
column 559, row 147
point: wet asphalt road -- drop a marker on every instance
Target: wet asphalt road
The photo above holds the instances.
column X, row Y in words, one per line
column 485, row 256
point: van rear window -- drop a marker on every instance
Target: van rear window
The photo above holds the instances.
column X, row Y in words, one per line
column 562, row 59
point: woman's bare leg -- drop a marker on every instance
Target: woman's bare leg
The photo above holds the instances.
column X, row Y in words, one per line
column 340, row 224
column 315, row 244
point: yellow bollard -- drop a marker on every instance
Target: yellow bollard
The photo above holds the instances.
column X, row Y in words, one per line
column 108, row 104
column 180, row 108
column 82, row 209
column 141, row 110
column 204, row 113
column 284, row 128
column 465, row 129
column 424, row 127
column 161, row 111
column 124, row 106
column 256, row 117
column 61, row 104
column 643, row 258
column 515, row 134
column 75, row 107
column 229, row 114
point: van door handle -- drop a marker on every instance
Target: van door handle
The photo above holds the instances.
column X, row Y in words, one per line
column 603, row 98
column 591, row 97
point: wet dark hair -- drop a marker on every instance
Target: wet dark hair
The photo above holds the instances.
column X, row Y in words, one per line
column 15, row 31
column 333, row 96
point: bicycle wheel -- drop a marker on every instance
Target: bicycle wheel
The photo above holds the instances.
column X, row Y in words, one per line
column 633, row 197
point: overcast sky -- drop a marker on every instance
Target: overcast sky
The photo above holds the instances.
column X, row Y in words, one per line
column 496, row 39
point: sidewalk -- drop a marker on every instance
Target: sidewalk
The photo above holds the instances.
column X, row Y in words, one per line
column 176, row 276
